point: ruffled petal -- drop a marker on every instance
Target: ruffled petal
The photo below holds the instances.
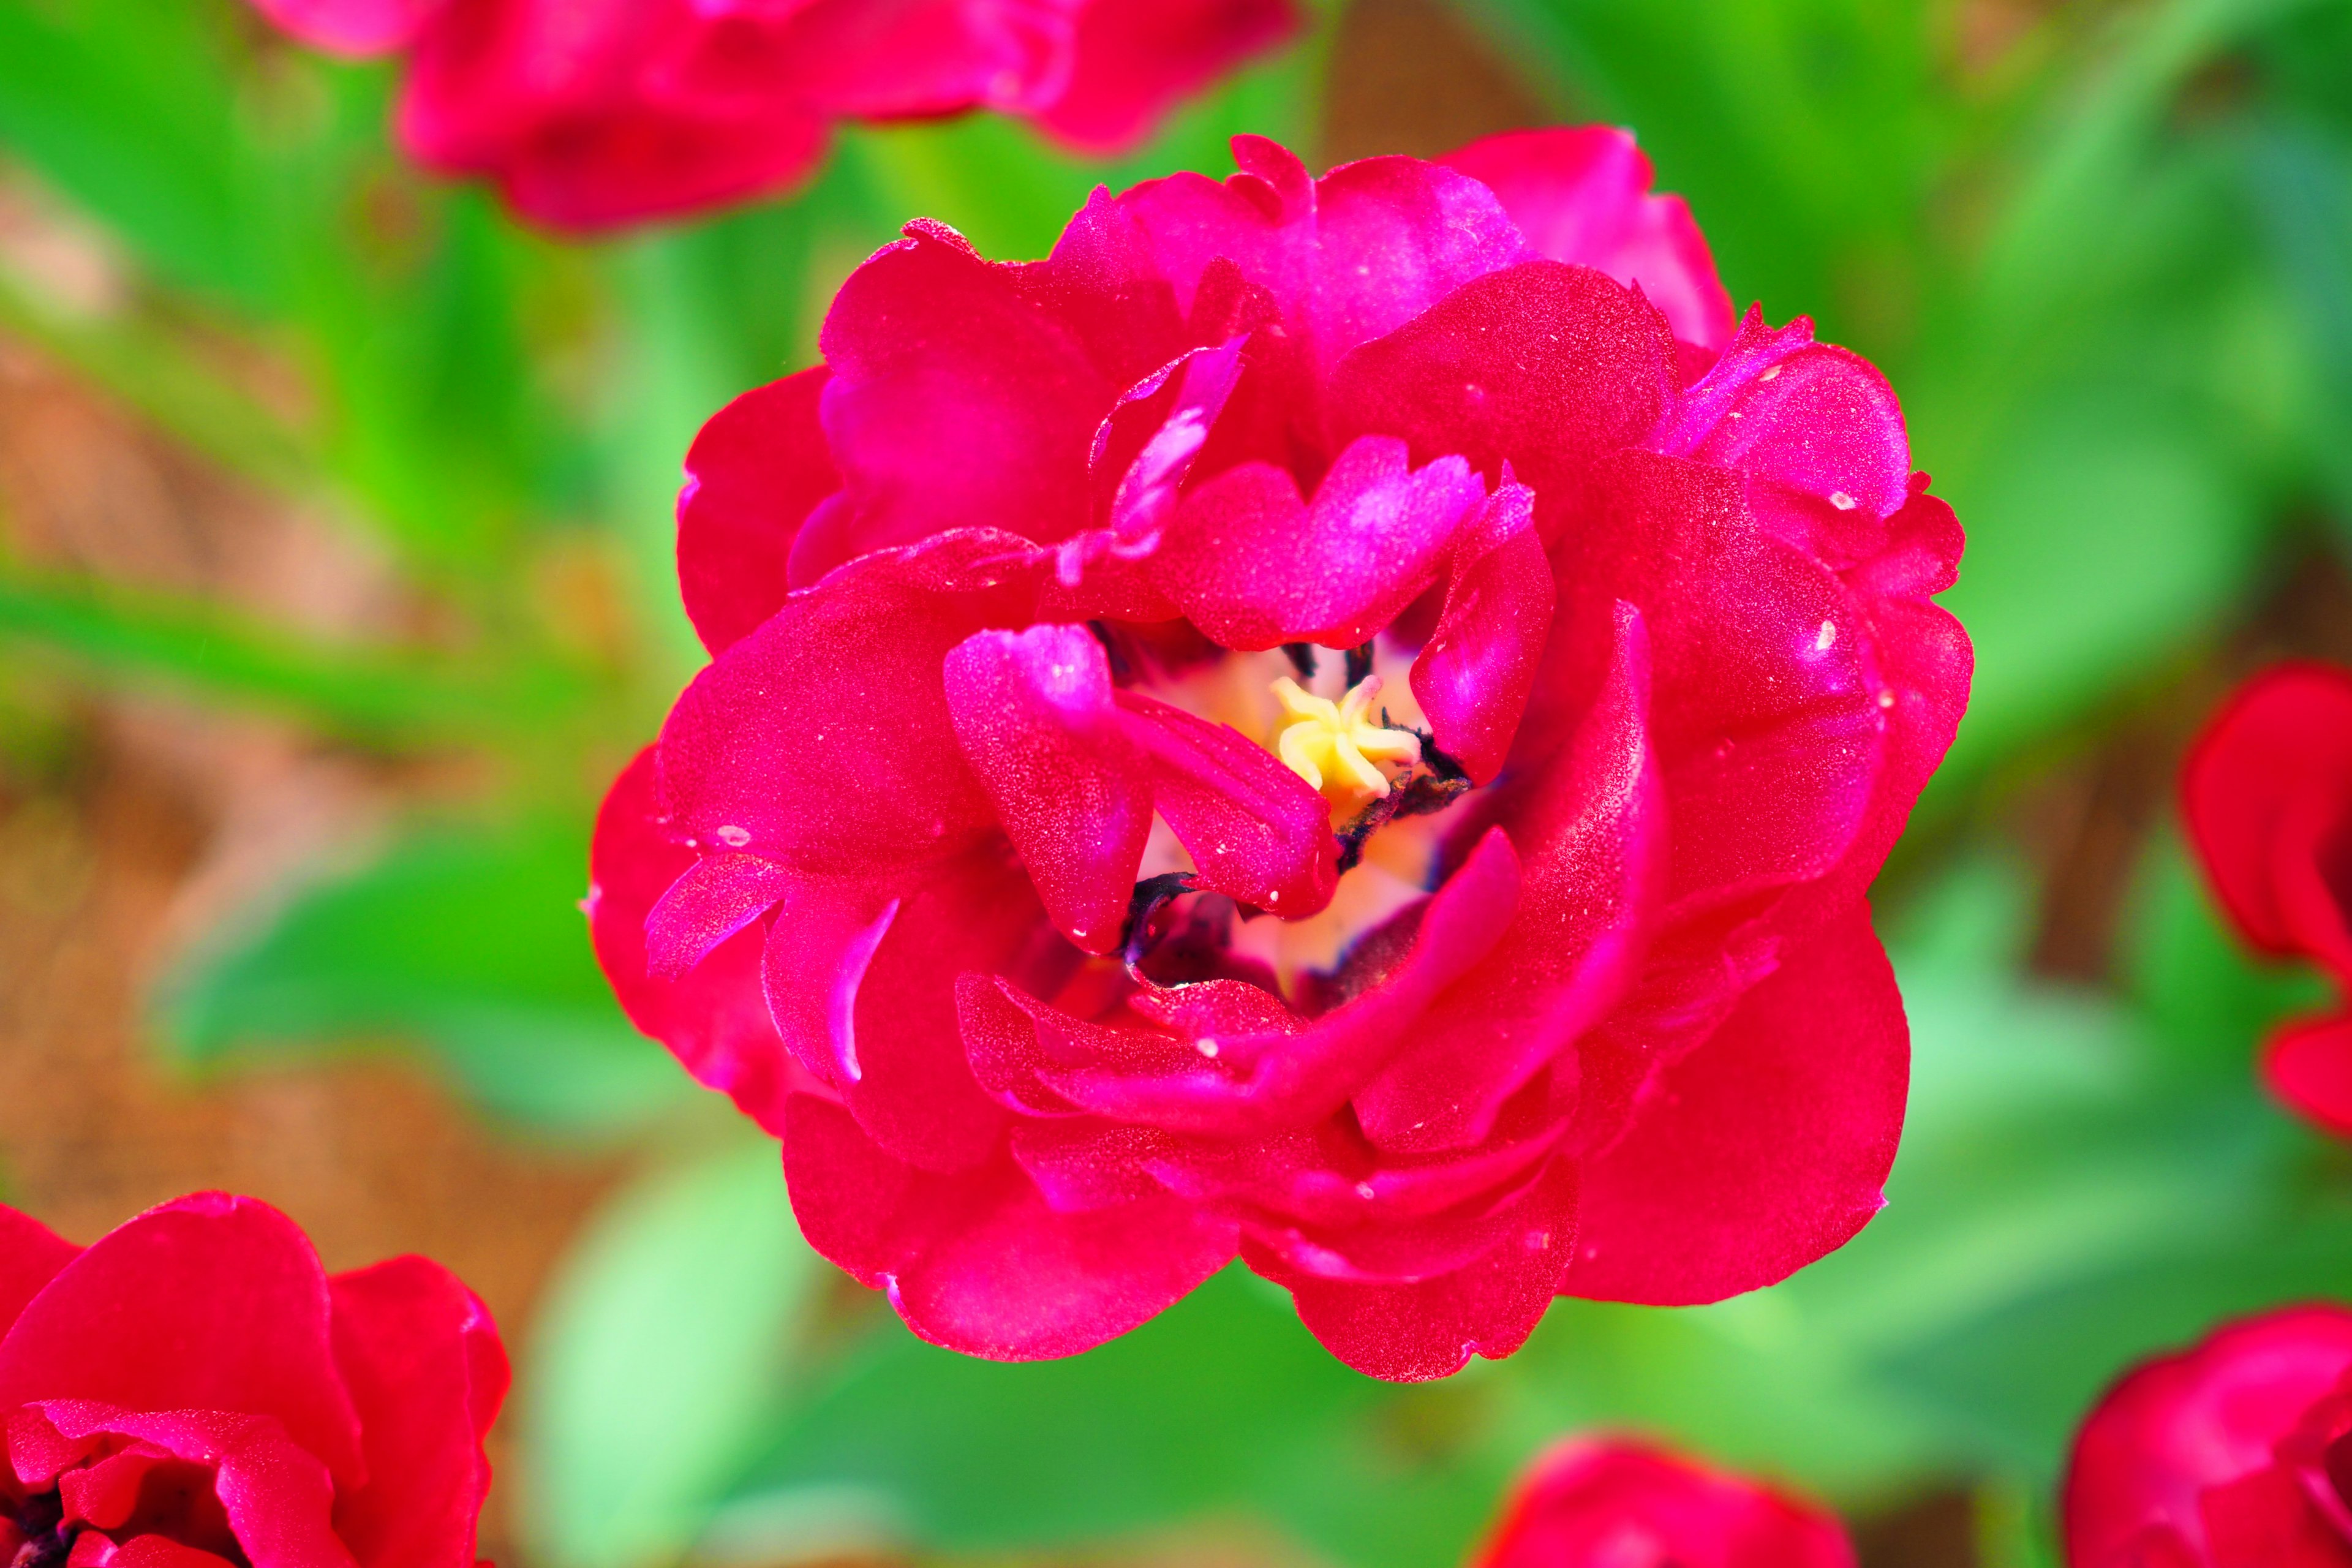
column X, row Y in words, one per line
column 1253, row 566
column 1034, row 712
column 1581, row 193
column 978, row 1261
column 1592, row 840
column 2275, row 762
column 1219, row 1068
column 31, row 1254
column 553, row 102
column 714, row 1017
column 1137, row 58
column 1412, row 1330
column 1591, row 1498
column 2180, row 1424
column 1256, row 831
column 354, row 27
column 208, row 1302
column 757, row 469
column 2309, row 1067
column 955, row 400
column 1544, row 366
column 1764, row 1148
column 276, row 1490
column 428, row 1373
column 822, row 741
column 1766, row 714
column 1474, row 676
column 1358, row 254
column 861, row 979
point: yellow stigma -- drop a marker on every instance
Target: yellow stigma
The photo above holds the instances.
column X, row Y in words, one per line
column 1336, row 747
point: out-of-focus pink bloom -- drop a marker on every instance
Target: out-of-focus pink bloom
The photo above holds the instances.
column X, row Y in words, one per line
column 2235, row 1454
column 1618, row 1503
column 2268, row 797
column 594, row 113
column 1303, row 727
column 194, row 1391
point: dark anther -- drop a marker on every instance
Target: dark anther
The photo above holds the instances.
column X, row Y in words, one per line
column 1152, row 895
column 1302, row 659
column 41, row 1520
column 1360, row 665
column 1122, row 670
column 1417, row 797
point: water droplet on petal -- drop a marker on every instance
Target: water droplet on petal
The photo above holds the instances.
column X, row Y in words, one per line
column 734, row 838
column 1207, row 1047
column 1842, row 500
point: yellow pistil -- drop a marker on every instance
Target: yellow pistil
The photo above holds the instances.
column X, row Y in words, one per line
column 1336, row 747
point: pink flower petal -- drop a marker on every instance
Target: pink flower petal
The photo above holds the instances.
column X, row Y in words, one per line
column 1581, row 193
column 208, row 1302
column 755, row 473
column 428, row 1374
column 977, row 1261
column 1759, row 1152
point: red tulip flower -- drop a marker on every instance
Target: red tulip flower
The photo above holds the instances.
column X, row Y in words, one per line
column 1613, row 1503
column 2267, row 794
column 194, row 1392
column 595, row 113
column 1304, row 726
column 2235, row 1454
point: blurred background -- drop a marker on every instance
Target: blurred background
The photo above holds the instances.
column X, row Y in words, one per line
column 334, row 586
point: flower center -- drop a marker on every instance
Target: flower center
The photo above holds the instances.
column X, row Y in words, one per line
column 44, row 1541
column 1336, row 748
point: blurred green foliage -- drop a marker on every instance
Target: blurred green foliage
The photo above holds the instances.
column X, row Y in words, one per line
column 2104, row 250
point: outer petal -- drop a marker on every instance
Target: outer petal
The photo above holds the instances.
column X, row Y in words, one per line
column 2206, row 1417
column 1766, row 711
column 1034, row 712
column 208, row 1303
column 1412, row 1331
column 1581, row 193
column 1542, row 365
column 428, row 1373
column 822, row 741
column 356, row 28
column 2309, row 1066
column 757, row 469
column 551, row 99
column 1358, row 254
column 861, row 978
column 1593, row 1501
column 1136, row 59
column 956, row 401
column 2274, row 763
column 1764, row 1148
column 977, row 1261
column 31, row 1254
column 714, row 1017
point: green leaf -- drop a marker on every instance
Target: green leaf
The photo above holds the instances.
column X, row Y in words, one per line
column 1181, row 1416
column 467, row 941
column 665, row 1339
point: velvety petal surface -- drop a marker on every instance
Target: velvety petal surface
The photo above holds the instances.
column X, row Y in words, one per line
column 756, row 471
column 1759, row 1152
column 427, row 1373
column 2209, row 1417
column 1581, row 194
column 208, row 1303
column 1596, row 1502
